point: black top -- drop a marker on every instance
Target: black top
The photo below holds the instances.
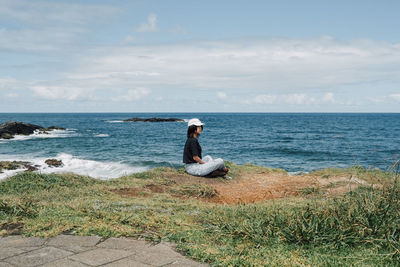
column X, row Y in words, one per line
column 192, row 148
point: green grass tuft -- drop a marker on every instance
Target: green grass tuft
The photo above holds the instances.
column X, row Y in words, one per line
column 28, row 182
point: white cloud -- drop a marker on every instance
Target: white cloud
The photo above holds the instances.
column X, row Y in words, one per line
column 395, row 97
column 384, row 99
column 60, row 92
column 221, row 95
column 179, row 30
column 54, row 12
column 328, row 98
column 377, row 100
column 292, row 99
column 112, row 75
column 265, row 99
column 11, row 95
column 295, row 99
column 133, row 94
column 282, row 65
column 47, row 25
column 129, row 39
column 6, row 82
column 282, row 72
column 34, row 40
column 150, row 25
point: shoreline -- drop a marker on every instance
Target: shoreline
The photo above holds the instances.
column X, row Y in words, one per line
column 72, row 166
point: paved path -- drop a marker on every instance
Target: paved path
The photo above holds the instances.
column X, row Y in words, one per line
column 69, row 250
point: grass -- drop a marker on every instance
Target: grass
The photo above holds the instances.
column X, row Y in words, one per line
column 372, row 176
column 361, row 228
column 310, row 191
column 190, row 190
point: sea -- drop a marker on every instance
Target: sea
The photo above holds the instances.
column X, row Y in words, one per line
column 102, row 145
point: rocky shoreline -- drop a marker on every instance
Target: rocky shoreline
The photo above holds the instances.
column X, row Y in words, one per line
column 11, row 128
column 27, row 166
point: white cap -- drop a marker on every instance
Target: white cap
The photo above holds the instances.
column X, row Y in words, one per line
column 195, row 121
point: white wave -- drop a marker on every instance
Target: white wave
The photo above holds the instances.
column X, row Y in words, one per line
column 49, row 134
column 8, row 173
column 95, row 169
column 102, row 135
column 116, row 121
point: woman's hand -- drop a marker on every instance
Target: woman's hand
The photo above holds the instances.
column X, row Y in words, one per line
column 198, row 159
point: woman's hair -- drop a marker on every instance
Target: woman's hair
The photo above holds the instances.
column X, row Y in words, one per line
column 191, row 130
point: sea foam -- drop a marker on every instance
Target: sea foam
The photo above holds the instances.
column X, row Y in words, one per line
column 49, row 134
column 101, row 135
column 8, row 173
column 115, row 121
column 92, row 168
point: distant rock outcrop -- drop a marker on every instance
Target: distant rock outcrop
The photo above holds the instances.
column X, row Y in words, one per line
column 54, row 128
column 11, row 128
column 153, row 120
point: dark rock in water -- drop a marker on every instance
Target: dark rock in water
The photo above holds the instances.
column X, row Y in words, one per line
column 153, row 120
column 6, row 136
column 30, row 168
column 13, row 165
column 54, row 162
column 55, row 128
column 14, row 127
column 11, row 128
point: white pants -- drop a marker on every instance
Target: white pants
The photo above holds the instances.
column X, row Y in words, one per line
column 210, row 165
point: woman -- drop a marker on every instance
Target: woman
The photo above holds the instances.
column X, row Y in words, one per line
column 194, row 163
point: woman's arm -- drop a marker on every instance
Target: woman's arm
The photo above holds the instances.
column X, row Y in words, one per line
column 198, row 159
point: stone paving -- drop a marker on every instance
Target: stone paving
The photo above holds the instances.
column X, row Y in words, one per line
column 69, row 250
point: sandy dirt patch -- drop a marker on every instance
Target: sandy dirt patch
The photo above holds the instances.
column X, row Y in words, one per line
column 249, row 187
column 254, row 187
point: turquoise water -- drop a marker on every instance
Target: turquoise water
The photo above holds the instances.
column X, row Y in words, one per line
column 99, row 144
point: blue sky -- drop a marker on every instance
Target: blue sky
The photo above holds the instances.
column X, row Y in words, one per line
column 199, row 56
